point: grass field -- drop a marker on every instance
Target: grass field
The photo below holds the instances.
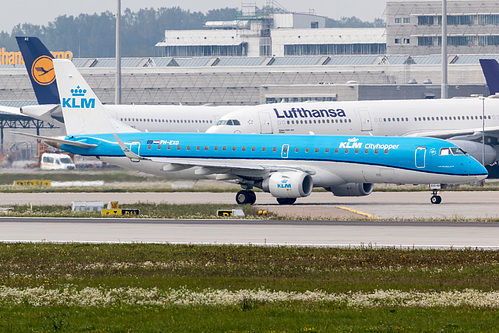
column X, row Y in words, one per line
column 187, row 288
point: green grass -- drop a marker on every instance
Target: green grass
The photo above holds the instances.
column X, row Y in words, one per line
column 261, row 318
column 227, row 267
column 147, row 210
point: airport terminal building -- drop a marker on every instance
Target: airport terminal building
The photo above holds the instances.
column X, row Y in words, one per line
column 273, row 57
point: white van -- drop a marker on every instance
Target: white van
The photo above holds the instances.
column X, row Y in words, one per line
column 52, row 161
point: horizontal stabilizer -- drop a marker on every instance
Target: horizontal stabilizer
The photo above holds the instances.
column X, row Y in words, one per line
column 58, row 142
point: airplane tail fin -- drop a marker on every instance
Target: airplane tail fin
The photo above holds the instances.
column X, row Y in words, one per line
column 82, row 110
column 40, row 68
column 490, row 69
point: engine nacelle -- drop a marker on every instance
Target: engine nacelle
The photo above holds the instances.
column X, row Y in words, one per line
column 352, row 189
column 291, row 184
column 475, row 149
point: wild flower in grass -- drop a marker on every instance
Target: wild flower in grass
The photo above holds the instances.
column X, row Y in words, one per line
column 101, row 297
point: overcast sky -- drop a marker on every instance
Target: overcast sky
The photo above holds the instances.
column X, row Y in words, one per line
column 43, row 11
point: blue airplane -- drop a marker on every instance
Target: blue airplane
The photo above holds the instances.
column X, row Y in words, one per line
column 490, row 69
column 287, row 166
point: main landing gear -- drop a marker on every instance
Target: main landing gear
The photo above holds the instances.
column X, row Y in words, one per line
column 435, row 198
column 245, row 197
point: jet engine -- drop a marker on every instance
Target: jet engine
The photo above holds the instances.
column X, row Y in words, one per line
column 291, row 184
column 352, row 189
column 475, row 149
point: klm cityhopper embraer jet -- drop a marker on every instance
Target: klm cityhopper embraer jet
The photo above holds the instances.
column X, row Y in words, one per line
column 286, row 166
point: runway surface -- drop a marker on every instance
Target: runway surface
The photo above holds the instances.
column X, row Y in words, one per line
column 396, row 206
column 386, row 205
column 313, row 233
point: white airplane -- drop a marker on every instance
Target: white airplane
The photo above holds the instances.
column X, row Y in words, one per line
column 288, row 167
column 461, row 121
column 147, row 118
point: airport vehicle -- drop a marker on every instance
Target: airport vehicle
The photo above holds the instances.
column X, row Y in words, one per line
column 164, row 118
column 460, row 121
column 490, row 69
column 54, row 161
column 288, row 167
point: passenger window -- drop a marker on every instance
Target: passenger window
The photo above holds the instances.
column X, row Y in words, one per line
column 263, row 148
column 307, row 150
column 178, row 147
column 346, row 150
column 169, row 147
column 327, row 150
column 386, row 151
column 297, row 149
column 356, row 150
column 316, row 150
column 224, row 148
column 149, row 147
column 274, row 149
column 198, row 148
column 233, row 148
column 188, row 147
column 375, row 151
column 243, row 148
column 366, row 151
column 336, row 150
column 216, row 148
column 206, row 147
column 253, row 148
column 159, row 146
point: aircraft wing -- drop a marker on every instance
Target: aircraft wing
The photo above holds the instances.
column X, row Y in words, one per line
column 229, row 169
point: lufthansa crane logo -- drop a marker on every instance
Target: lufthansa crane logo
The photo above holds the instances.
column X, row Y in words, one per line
column 42, row 70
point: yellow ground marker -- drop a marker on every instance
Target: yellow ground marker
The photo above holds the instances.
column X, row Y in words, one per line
column 356, row 212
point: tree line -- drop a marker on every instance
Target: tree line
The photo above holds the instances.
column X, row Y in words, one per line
column 93, row 35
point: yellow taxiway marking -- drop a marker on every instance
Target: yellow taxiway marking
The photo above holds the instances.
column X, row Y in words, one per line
column 357, row 212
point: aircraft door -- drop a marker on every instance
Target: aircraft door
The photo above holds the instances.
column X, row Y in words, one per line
column 285, row 150
column 265, row 123
column 420, row 157
column 365, row 120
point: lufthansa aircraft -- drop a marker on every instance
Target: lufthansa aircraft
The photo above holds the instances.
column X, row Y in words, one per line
column 164, row 118
column 286, row 166
column 461, row 121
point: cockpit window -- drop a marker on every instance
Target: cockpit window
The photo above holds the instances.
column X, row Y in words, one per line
column 444, row 151
column 457, row 151
column 230, row 122
column 452, row 151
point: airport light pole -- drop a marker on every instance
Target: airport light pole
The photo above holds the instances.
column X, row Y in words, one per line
column 483, row 130
column 444, row 87
column 117, row 95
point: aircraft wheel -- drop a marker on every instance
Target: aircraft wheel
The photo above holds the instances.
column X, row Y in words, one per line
column 252, row 197
column 245, row 197
column 286, row 201
column 436, row 199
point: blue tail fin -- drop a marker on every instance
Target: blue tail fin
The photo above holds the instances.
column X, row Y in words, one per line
column 38, row 60
column 490, row 69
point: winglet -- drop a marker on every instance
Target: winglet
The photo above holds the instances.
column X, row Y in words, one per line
column 128, row 153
